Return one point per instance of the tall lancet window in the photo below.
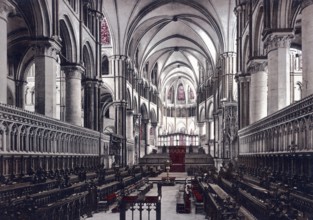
(181, 93)
(105, 33)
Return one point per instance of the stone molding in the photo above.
(118, 57)
(5, 8)
(306, 3)
(277, 40)
(12, 114)
(154, 124)
(255, 66)
(47, 48)
(228, 54)
(243, 77)
(73, 71)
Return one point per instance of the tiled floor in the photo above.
(168, 208)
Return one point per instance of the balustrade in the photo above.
(275, 133)
(31, 135)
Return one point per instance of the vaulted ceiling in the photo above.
(184, 37)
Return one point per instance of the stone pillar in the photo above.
(307, 47)
(156, 133)
(130, 124)
(20, 93)
(200, 125)
(148, 128)
(73, 74)
(244, 84)
(118, 69)
(258, 91)
(5, 9)
(89, 105)
(277, 46)
(45, 76)
(228, 70)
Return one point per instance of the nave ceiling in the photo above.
(183, 37)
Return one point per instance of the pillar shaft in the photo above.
(5, 9)
(228, 70)
(307, 47)
(148, 128)
(130, 124)
(73, 99)
(117, 68)
(278, 71)
(258, 92)
(244, 85)
(45, 75)
(89, 105)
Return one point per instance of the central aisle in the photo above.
(168, 210)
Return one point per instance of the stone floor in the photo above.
(168, 207)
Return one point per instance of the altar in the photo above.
(177, 157)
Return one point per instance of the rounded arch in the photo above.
(153, 116)
(135, 105)
(88, 60)
(128, 99)
(210, 110)
(104, 65)
(257, 44)
(25, 65)
(246, 53)
(69, 45)
(144, 111)
(181, 127)
(202, 114)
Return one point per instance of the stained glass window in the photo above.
(105, 33)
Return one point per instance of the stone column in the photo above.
(73, 74)
(130, 124)
(156, 133)
(200, 125)
(20, 93)
(277, 46)
(148, 128)
(89, 99)
(258, 91)
(307, 47)
(117, 68)
(228, 70)
(5, 9)
(244, 84)
(45, 76)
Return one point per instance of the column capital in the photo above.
(73, 70)
(5, 9)
(90, 82)
(20, 82)
(154, 124)
(200, 124)
(146, 121)
(306, 3)
(228, 54)
(137, 116)
(277, 40)
(47, 47)
(242, 77)
(118, 57)
(238, 9)
(130, 111)
(257, 65)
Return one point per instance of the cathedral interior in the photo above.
(156, 109)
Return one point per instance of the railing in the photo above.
(22, 130)
(24, 133)
(284, 131)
